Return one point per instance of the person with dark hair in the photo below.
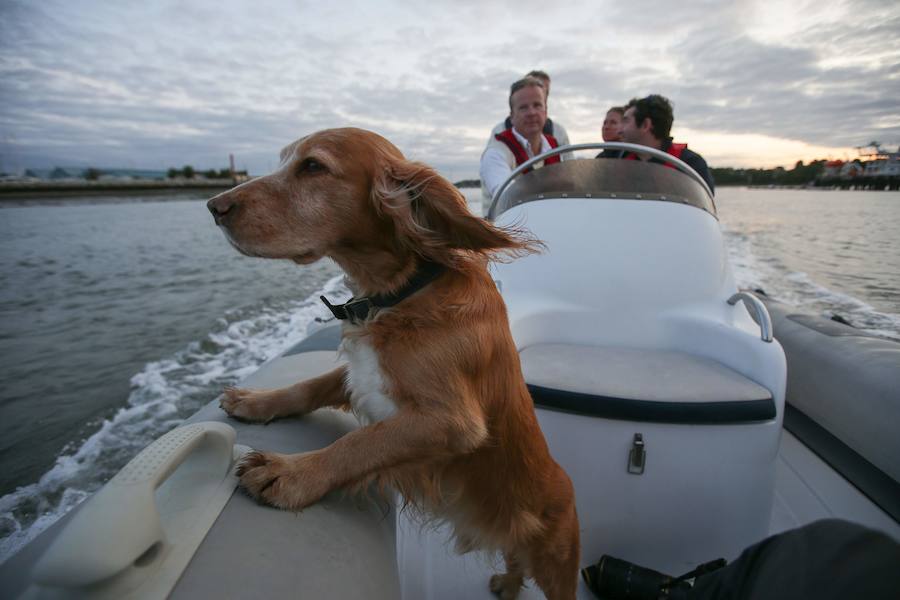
(551, 127)
(523, 140)
(612, 126)
(648, 121)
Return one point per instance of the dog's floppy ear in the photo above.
(431, 216)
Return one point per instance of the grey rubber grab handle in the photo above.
(121, 522)
(762, 313)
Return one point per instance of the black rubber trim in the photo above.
(327, 338)
(653, 411)
(874, 483)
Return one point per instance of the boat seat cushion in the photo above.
(641, 384)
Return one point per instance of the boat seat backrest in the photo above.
(627, 257)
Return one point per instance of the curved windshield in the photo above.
(606, 179)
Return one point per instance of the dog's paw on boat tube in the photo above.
(288, 481)
(251, 406)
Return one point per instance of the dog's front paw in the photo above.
(506, 586)
(286, 481)
(247, 405)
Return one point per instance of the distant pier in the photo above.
(865, 182)
(20, 190)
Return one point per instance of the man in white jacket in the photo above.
(524, 139)
(551, 127)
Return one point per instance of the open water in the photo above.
(119, 318)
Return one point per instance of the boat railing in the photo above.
(762, 314)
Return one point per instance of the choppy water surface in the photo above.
(120, 318)
(826, 252)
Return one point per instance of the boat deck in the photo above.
(807, 490)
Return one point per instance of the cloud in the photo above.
(160, 84)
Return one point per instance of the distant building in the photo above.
(60, 173)
(833, 169)
(883, 167)
(851, 169)
(880, 163)
(132, 174)
(883, 163)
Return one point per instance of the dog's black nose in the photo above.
(220, 207)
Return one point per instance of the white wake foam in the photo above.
(798, 289)
(162, 395)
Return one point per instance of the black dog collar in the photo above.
(360, 309)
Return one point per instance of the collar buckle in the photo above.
(359, 309)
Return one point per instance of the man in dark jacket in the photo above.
(648, 121)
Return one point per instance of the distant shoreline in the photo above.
(49, 190)
(21, 190)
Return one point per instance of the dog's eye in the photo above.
(311, 165)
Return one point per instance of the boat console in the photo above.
(656, 389)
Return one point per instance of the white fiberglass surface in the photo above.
(808, 489)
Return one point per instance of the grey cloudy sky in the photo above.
(159, 84)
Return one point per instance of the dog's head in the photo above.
(351, 195)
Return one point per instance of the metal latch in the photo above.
(637, 457)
